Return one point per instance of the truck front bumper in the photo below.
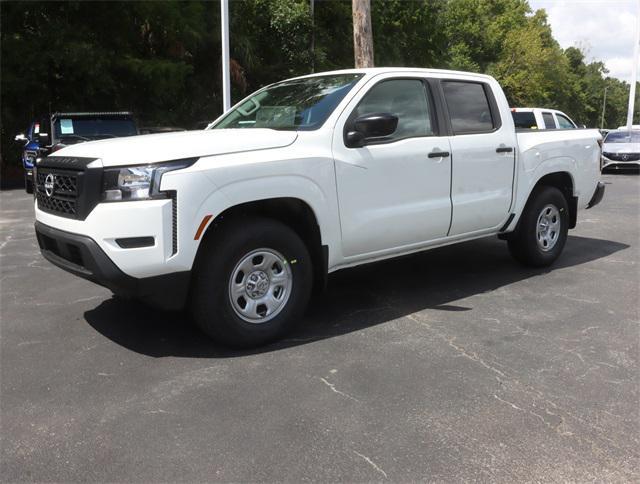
(83, 257)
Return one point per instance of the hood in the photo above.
(621, 148)
(153, 148)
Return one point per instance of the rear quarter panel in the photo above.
(575, 151)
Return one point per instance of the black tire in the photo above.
(524, 246)
(211, 304)
(28, 184)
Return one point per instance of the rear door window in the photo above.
(469, 107)
(549, 122)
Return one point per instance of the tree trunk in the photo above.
(362, 33)
(313, 35)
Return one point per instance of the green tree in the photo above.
(407, 33)
(532, 67)
(474, 31)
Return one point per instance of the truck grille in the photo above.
(623, 156)
(67, 186)
(57, 191)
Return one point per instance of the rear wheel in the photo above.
(543, 228)
(252, 283)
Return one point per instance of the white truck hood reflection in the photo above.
(153, 148)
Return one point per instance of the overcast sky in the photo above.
(603, 28)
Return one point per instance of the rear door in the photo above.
(483, 162)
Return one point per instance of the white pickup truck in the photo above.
(541, 118)
(239, 222)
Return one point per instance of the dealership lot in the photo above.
(452, 364)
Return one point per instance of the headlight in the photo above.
(138, 182)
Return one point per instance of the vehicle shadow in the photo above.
(356, 298)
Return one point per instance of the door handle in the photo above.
(504, 149)
(438, 154)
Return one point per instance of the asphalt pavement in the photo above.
(452, 365)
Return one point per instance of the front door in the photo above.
(394, 192)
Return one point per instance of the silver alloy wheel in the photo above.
(548, 228)
(260, 285)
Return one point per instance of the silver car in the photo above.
(621, 150)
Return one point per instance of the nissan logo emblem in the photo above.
(49, 184)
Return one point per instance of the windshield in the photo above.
(299, 104)
(93, 128)
(623, 137)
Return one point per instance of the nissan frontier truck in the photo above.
(239, 222)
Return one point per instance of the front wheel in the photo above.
(252, 282)
(543, 228)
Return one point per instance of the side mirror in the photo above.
(370, 126)
(21, 138)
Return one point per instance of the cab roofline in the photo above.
(384, 70)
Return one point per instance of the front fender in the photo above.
(254, 190)
(279, 186)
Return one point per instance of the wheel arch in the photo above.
(293, 212)
(562, 180)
